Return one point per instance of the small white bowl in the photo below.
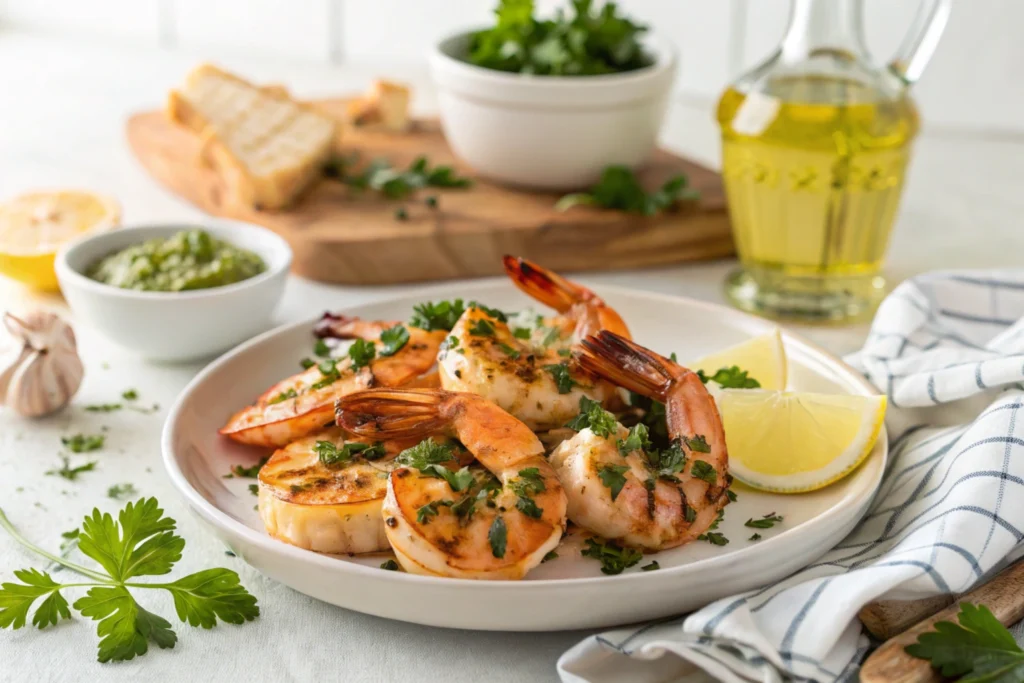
(175, 326)
(550, 132)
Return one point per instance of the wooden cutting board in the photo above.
(344, 236)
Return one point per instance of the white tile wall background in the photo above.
(972, 84)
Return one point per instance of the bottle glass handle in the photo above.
(921, 40)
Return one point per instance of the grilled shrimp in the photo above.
(617, 485)
(304, 403)
(325, 492)
(495, 521)
(535, 379)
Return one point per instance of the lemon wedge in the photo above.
(763, 357)
(35, 225)
(791, 442)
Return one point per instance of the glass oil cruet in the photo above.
(815, 144)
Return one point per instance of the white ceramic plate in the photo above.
(569, 592)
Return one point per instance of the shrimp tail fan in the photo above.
(627, 364)
(391, 413)
(547, 287)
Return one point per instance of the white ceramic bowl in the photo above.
(175, 326)
(550, 132)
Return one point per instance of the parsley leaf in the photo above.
(521, 333)
(497, 536)
(83, 443)
(704, 470)
(512, 353)
(320, 348)
(307, 363)
(592, 415)
(560, 373)
(425, 453)
(978, 648)
(121, 491)
(766, 522)
(427, 512)
(389, 565)
(71, 473)
(103, 407)
(129, 394)
(698, 444)
(637, 440)
(651, 567)
(552, 555)
(440, 316)
(500, 316)
(730, 378)
(714, 538)
(458, 481)
(329, 374)
(614, 558)
(614, 477)
(141, 542)
(755, 537)
(393, 339)
(329, 454)
(620, 189)
(482, 328)
(667, 462)
(361, 352)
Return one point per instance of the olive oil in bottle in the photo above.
(813, 189)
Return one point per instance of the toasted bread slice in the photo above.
(386, 105)
(266, 146)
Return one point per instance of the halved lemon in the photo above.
(763, 357)
(791, 442)
(35, 225)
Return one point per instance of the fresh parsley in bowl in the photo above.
(592, 41)
(550, 103)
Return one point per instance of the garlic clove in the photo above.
(40, 369)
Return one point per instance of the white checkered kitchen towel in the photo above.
(948, 349)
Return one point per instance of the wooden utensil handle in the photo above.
(1004, 595)
(887, 618)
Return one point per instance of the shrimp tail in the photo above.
(339, 326)
(627, 364)
(392, 413)
(547, 287)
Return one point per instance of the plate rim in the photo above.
(280, 549)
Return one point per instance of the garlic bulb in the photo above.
(39, 365)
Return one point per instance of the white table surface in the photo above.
(62, 109)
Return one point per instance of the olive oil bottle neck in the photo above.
(817, 27)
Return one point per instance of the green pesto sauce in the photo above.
(190, 259)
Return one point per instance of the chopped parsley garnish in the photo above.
(482, 328)
(654, 418)
(552, 555)
(320, 348)
(121, 491)
(530, 478)
(689, 514)
(440, 316)
(493, 312)
(521, 333)
(254, 489)
(103, 407)
(425, 453)
(755, 537)
(393, 339)
(766, 522)
(465, 507)
(614, 558)
(698, 444)
(564, 353)
(329, 374)
(401, 213)
(514, 354)
(307, 363)
(528, 483)
(730, 378)
(704, 470)
(361, 352)
(139, 542)
(330, 454)
(458, 481)
(497, 536)
(731, 495)
(450, 342)
(247, 472)
(283, 396)
(636, 441)
(651, 567)
(613, 477)
(560, 373)
(592, 415)
(427, 512)
(390, 565)
(667, 462)
(553, 334)
(83, 443)
(714, 538)
(529, 507)
(71, 473)
(129, 394)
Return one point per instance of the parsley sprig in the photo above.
(437, 316)
(613, 557)
(730, 378)
(592, 415)
(141, 542)
(619, 189)
(978, 648)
